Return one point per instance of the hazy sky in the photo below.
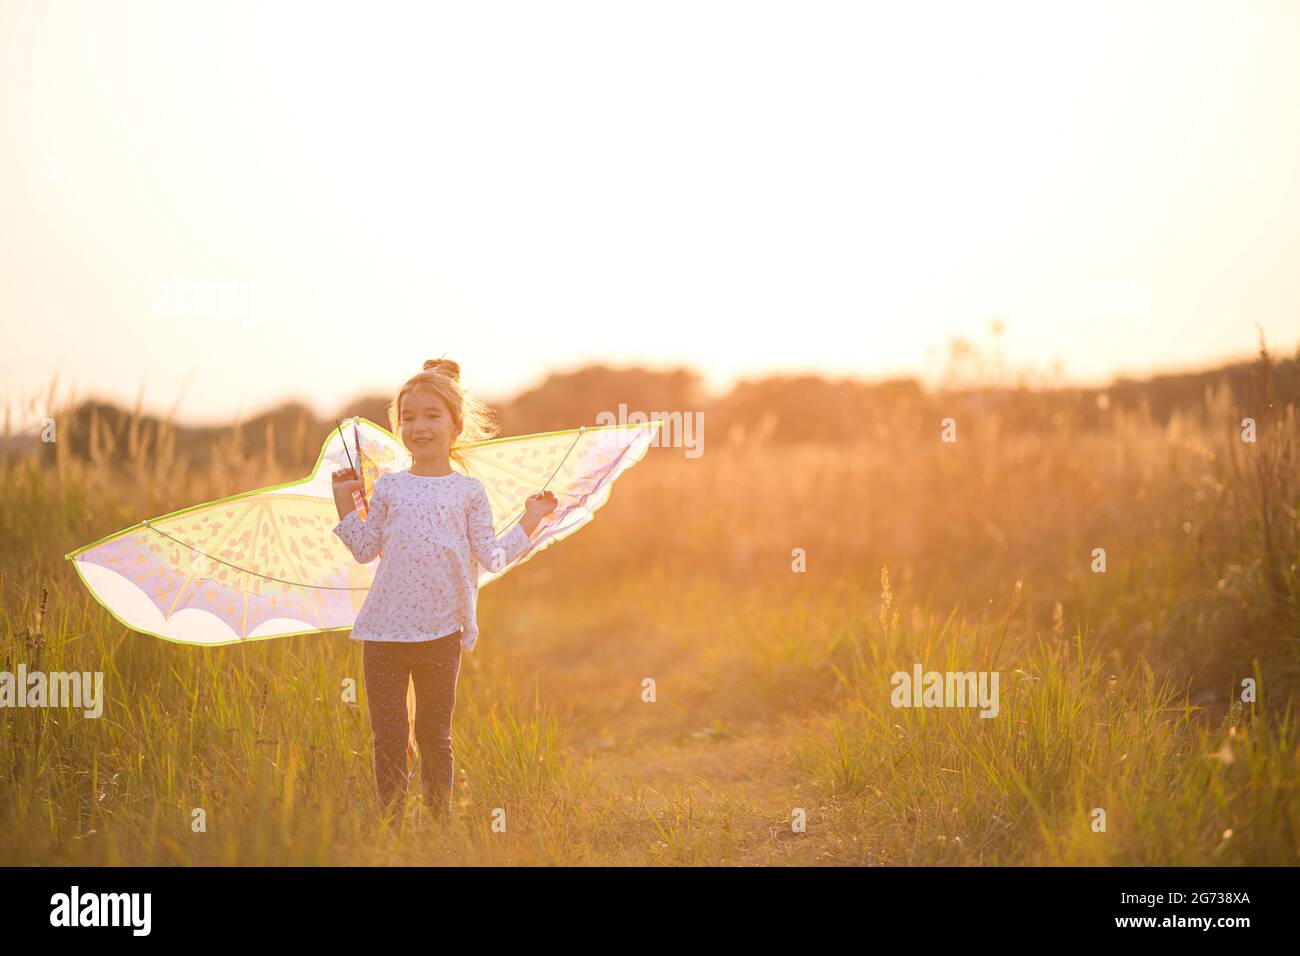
(259, 201)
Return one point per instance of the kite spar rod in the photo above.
(358, 502)
(581, 430)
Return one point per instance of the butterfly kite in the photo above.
(266, 564)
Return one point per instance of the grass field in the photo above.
(1120, 690)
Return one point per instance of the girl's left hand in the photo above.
(542, 503)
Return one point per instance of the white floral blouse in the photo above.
(432, 534)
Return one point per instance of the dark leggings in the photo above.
(433, 666)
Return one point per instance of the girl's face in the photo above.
(426, 427)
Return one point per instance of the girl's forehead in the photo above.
(418, 401)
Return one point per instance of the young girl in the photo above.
(433, 527)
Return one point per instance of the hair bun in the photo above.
(444, 365)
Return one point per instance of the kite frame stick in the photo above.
(581, 430)
(358, 500)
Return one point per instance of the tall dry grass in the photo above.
(1120, 690)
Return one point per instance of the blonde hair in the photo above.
(471, 420)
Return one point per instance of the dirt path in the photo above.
(696, 757)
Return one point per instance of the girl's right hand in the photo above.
(346, 482)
